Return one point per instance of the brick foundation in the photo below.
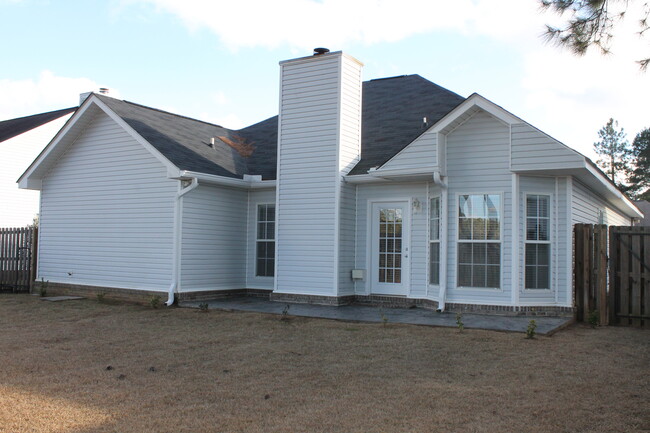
(144, 297)
(109, 293)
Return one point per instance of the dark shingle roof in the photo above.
(13, 127)
(393, 110)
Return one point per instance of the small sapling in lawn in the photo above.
(42, 291)
(155, 301)
(285, 313)
(459, 322)
(530, 331)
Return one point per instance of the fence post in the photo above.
(33, 257)
(600, 262)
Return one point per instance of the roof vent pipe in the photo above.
(319, 51)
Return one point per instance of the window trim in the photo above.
(266, 240)
(431, 241)
(549, 242)
(499, 241)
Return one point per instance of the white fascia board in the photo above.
(248, 183)
(627, 206)
(403, 173)
(362, 178)
(476, 100)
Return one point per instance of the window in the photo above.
(479, 240)
(265, 259)
(538, 242)
(434, 241)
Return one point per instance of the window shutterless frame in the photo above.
(265, 241)
(479, 224)
(537, 239)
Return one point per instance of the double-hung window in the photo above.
(538, 242)
(434, 241)
(265, 258)
(479, 241)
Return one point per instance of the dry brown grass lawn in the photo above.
(248, 372)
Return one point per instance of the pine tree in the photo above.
(639, 177)
(614, 153)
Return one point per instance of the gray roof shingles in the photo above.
(13, 127)
(392, 117)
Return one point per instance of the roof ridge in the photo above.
(164, 111)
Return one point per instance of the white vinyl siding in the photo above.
(587, 205)
(213, 246)
(478, 163)
(534, 150)
(418, 232)
(107, 213)
(420, 154)
(347, 239)
(318, 142)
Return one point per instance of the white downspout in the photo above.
(437, 179)
(176, 254)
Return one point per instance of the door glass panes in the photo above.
(390, 245)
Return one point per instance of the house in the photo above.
(21, 140)
(393, 190)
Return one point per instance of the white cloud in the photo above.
(305, 24)
(46, 93)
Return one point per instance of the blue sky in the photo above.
(218, 60)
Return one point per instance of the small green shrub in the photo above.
(530, 331)
(285, 313)
(384, 319)
(101, 297)
(155, 301)
(459, 322)
(203, 306)
(42, 291)
(593, 318)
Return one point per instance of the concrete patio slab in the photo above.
(362, 313)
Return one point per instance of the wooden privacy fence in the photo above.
(17, 258)
(629, 276)
(612, 274)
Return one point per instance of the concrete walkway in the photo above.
(361, 313)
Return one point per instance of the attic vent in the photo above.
(319, 51)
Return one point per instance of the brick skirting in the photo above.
(109, 293)
(144, 297)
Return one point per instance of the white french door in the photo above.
(389, 248)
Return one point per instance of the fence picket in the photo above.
(17, 247)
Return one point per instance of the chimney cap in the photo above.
(104, 90)
(319, 51)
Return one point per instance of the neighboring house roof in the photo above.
(644, 206)
(13, 127)
(392, 117)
